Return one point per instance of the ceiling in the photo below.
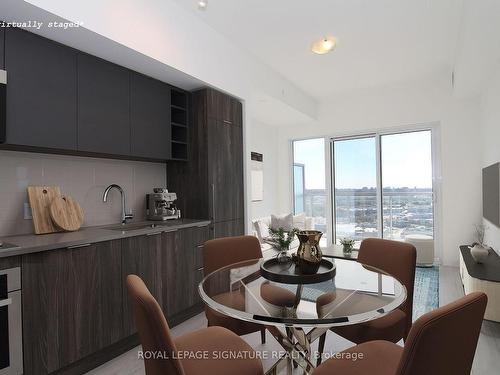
(380, 42)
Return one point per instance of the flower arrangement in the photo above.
(281, 238)
(347, 244)
(480, 230)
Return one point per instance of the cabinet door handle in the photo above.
(200, 269)
(213, 202)
(153, 234)
(170, 230)
(227, 122)
(79, 246)
(5, 302)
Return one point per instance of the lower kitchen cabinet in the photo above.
(229, 228)
(71, 304)
(141, 256)
(184, 268)
(75, 300)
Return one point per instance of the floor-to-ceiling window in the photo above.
(309, 181)
(382, 186)
(407, 196)
(355, 188)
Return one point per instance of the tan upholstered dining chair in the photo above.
(440, 342)
(399, 260)
(222, 252)
(162, 351)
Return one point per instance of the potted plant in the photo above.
(281, 239)
(347, 245)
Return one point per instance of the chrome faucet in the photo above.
(125, 216)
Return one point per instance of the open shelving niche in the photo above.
(179, 124)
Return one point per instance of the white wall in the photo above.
(422, 102)
(490, 112)
(82, 178)
(264, 139)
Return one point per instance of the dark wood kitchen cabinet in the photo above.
(225, 160)
(76, 309)
(149, 117)
(41, 91)
(223, 107)
(184, 268)
(61, 100)
(228, 228)
(141, 256)
(213, 177)
(71, 304)
(170, 263)
(103, 106)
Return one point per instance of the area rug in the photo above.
(426, 292)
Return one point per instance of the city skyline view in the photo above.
(405, 182)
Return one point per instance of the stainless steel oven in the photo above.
(3, 104)
(11, 330)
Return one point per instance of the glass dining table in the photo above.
(298, 314)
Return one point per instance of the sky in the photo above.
(406, 161)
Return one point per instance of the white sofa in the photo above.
(260, 229)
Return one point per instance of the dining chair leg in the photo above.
(263, 335)
(321, 348)
(289, 334)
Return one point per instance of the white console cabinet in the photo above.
(482, 277)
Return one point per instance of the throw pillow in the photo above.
(256, 228)
(299, 221)
(264, 229)
(282, 221)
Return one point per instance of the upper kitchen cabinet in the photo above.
(149, 117)
(223, 107)
(41, 91)
(61, 100)
(213, 176)
(103, 106)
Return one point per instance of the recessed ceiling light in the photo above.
(324, 45)
(202, 4)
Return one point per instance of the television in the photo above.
(491, 194)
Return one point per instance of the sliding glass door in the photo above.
(382, 186)
(355, 188)
(407, 197)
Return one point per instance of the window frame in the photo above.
(434, 127)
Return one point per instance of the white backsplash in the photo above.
(82, 178)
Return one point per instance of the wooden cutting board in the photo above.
(66, 213)
(41, 198)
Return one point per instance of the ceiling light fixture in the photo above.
(324, 45)
(202, 4)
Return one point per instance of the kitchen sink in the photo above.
(146, 225)
(134, 226)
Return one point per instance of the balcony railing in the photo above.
(404, 212)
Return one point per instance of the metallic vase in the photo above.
(309, 253)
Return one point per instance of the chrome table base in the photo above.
(297, 344)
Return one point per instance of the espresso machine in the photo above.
(160, 205)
